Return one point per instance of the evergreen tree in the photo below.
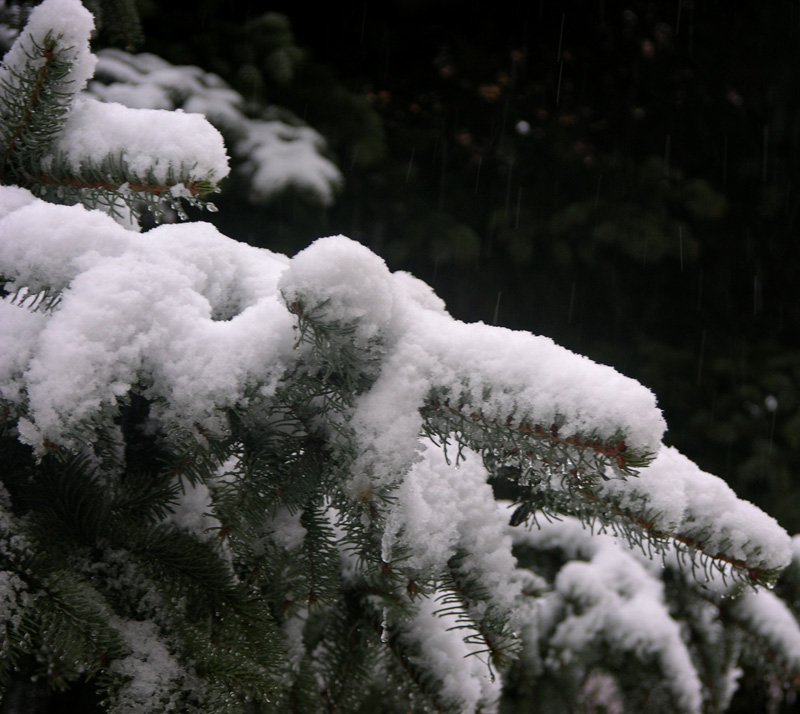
(238, 482)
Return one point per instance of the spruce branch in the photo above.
(406, 664)
(34, 102)
(66, 620)
(470, 425)
(348, 656)
(541, 449)
(110, 183)
(687, 537)
(561, 475)
(348, 367)
(321, 559)
(468, 598)
(641, 530)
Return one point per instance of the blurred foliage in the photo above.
(256, 52)
(117, 22)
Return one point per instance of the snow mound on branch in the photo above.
(682, 498)
(770, 619)
(344, 281)
(466, 680)
(185, 144)
(41, 247)
(190, 314)
(192, 509)
(501, 372)
(155, 680)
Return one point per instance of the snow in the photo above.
(534, 379)
(346, 282)
(466, 680)
(680, 496)
(767, 617)
(75, 25)
(155, 679)
(275, 152)
(41, 248)
(441, 510)
(286, 529)
(612, 597)
(100, 138)
(21, 330)
(185, 145)
(293, 628)
(14, 197)
(14, 599)
(192, 511)
(193, 314)
(609, 590)
(600, 692)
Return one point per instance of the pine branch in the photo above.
(493, 633)
(66, 620)
(111, 183)
(321, 560)
(522, 438)
(345, 367)
(641, 530)
(537, 455)
(44, 119)
(347, 657)
(408, 668)
(110, 178)
(34, 102)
